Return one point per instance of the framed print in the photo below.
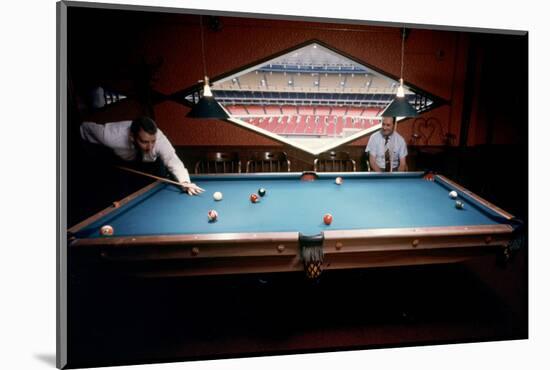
(238, 185)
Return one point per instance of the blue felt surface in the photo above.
(293, 205)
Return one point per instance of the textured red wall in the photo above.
(434, 61)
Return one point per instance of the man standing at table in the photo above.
(387, 149)
(140, 142)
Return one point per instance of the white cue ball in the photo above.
(218, 196)
(453, 194)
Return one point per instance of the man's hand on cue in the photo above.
(191, 188)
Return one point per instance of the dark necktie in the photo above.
(387, 159)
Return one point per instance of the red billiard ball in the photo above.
(106, 230)
(327, 219)
(212, 215)
(254, 198)
(429, 176)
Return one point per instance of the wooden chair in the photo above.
(334, 162)
(219, 162)
(367, 161)
(268, 162)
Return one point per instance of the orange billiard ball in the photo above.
(327, 219)
(254, 198)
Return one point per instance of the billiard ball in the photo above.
(212, 215)
(261, 192)
(339, 180)
(327, 219)
(453, 194)
(254, 198)
(106, 230)
(217, 196)
(459, 205)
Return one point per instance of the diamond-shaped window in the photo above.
(311, 97)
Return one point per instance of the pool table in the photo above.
(388, 219)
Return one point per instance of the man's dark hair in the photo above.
(143, 123)
(393, 119)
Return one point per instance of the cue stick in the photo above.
(391, 151)
(149, 175)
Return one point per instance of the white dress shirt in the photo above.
(377, 146)
(116, 135)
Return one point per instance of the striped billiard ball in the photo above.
(106, 230)
(212, 215)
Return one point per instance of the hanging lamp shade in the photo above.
(207, 106)
(400, 106)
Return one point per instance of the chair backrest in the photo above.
(366, 160)
(219, 162)
(268, 162)
(334, 162)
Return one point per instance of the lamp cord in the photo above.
(402, 51)
(202, 48)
